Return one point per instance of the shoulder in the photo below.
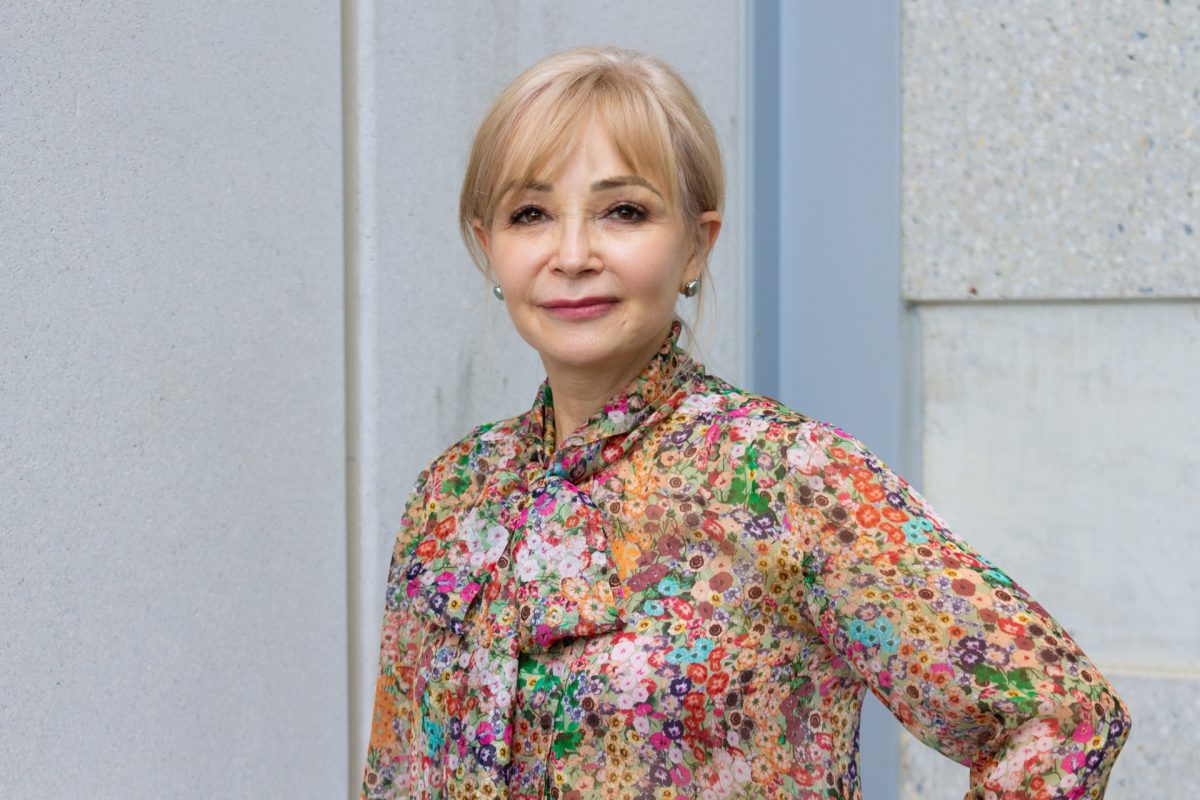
(468, 462)
(729, 412)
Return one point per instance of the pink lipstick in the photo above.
(582, 308)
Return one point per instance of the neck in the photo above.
(580, 392)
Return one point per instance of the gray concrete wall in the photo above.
(172, 536)
(438, 354)
(236, 321)
(1051, 162)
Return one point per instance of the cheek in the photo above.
(653, 269)
(514, 260)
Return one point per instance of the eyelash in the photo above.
(638, 210)
(517, 217)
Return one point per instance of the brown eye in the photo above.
(627, 212)
(527, 215)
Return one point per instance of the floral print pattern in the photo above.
(689, 599)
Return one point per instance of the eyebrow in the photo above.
(598, 186)
(624, 180)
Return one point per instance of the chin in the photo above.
(580, 357)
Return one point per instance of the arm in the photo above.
(386, 773)
(959, 652)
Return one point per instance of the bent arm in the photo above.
(957, 650)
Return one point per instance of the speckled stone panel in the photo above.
(1063, 441)
(1051, 149)
(1158, 761)
(172, 448)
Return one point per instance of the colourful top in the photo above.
(690, 599)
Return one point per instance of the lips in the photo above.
(581, 308)
(581, 302)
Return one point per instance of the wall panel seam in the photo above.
(358, 271)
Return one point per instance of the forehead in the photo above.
(593, 154)
(540, 147)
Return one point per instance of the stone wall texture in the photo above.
(236, 322)
(172, 461)
(1051, 168)
(1051, 149)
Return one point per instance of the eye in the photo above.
(527, 215)
(627, 212)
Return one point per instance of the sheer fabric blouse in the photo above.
(690, 599)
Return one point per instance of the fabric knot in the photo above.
(567, 583)
(544, 536)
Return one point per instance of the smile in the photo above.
(584, 308)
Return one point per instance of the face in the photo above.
(592, 259)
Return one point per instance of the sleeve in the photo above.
(386, 774)
(950, 643)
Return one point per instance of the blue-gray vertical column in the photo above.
(827, 319)
(762, 198)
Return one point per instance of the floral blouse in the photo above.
(689, 599)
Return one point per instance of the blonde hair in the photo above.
(655, 121)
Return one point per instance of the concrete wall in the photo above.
(172, 527)
(236, 323)
(1051, 162)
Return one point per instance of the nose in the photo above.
(574, 247)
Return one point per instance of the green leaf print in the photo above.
(743, 486)
(567, 740)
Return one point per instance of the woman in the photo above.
(656, 585)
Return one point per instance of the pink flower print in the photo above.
(1073, 762)
(544, 504)
(445, 582)
(680, 775)
(1083, 732)
(543, 635)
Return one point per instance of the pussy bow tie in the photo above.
(530, 564)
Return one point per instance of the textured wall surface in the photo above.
(1061, 440)
(172, 557)
(219, 384)
(1051, 149)
(1051, 152)
(428, 73)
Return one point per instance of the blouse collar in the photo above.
(658, 383)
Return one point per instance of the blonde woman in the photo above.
(654, 584)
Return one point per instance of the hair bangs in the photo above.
(546, 128)
(641, 133)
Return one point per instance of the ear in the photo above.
(708, 227)
(481, 236)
